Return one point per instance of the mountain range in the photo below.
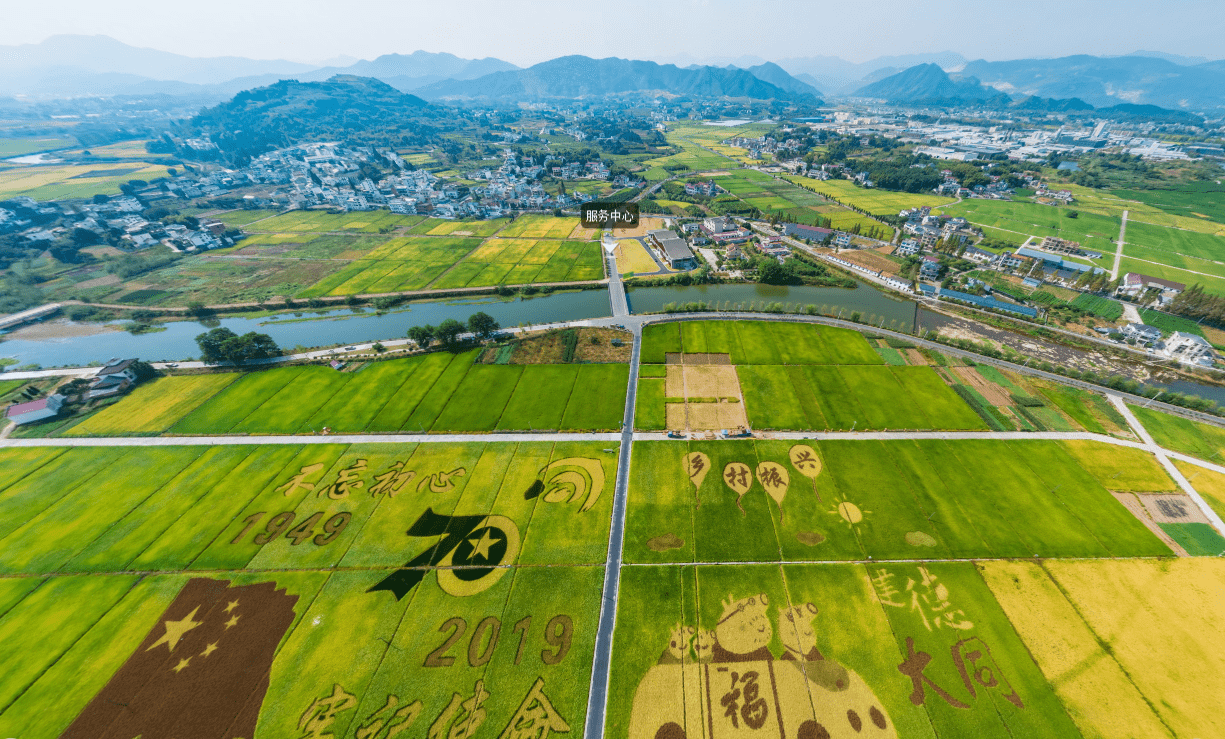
(68, 65)
(74, 66)
(580, 76)
(928, 84)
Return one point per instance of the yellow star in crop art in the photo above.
(176, 629)
(209, 649)
(480, 547)
(181, 665)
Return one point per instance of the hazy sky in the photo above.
(526, 33)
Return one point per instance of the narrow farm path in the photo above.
(1163, 456)
(1118, 253)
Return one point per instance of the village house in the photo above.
(1141, 333)
(1059, 246)
(1189, 349)
(115, 377)
(908, 248)
(35, 410)
(1134, 285)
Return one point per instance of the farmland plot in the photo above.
(273, 640)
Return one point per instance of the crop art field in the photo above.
(799, 588)
(919, 650)
(1019, 642)
(433, 392)
(770, 501)
(301, 591)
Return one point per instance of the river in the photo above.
(874, 305)
(325, 328)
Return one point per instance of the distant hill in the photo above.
(1109, 81)
(925, 83)
(837, 76)
(580, 76)
(65, 57)
(99, 65)
(407, 72)
(1052, 105)
(1186, 61)
(811, 81)
(345, 107)
(777, 76)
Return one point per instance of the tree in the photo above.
(84, 237)
(448, 332)
(223, 345)
(143, 370)
(770, 272)
(251, 346)
(482, 324)
(421, 335)
(211, 343)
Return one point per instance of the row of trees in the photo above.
(481, 325)
(1194, 303)
(223, 345)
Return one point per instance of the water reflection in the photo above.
(341, 326)
(875, 306)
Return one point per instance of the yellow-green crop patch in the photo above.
(64, 182)
(761, 501)
(437, 392)
(320, 221)
(540, 227)
(799, 376)
(303, 589)
(22, 147)
(154, 407)
(876, 202)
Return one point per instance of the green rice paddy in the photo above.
(434, 392)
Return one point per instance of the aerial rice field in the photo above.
(433, 392)
(58, 182)
(838, 586)
(215, 638)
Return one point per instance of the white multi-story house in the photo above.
(1189, 349)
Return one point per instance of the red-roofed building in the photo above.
(35, 410)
